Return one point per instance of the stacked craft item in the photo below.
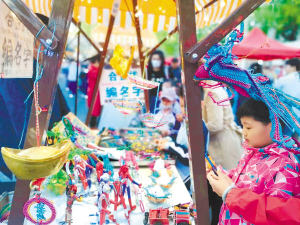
(122, 66)
(219, 66)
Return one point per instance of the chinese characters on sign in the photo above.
(113, 87)
(16, 46)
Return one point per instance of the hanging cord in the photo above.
(39, 75)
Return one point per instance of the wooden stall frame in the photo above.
(192, 93)
(60, 16)
(190, 53)
(101, 66)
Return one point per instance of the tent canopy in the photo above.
(154, 15)
(255, 46)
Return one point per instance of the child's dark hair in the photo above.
(254, 109)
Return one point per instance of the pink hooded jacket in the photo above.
(272, 169)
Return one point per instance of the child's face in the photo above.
(256, 133)
(167, 103)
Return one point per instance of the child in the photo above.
(266, 167)
(180, 150)
(168, 98)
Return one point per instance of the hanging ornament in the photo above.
(119, 63)
(127, 106)
(36, 162)
(142, 83)
(153, 120)
(43, 209)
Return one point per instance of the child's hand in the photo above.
(208, 166)
(219, 183)
(179, 117)
(165, 132)
(161, 144)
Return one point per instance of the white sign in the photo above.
(16, 46)
(113, 87)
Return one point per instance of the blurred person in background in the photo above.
(174, 71)
(72, 75)
(91, 79)
(168, 99)
(156, 72)
(290, 84)
(225, 136)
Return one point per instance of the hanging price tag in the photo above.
(116, 7)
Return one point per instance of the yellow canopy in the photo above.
(155, 15)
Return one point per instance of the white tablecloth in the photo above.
(82, 211)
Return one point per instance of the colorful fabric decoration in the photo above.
(153, 120)
(219, 66)
(127, 106)
(142, 83)
(119, 63)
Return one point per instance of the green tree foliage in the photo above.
(171, 46)
(283, 15)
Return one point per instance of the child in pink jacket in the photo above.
(266, 166)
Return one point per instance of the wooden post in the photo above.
(86, 36)
(187, 35)
(101, 65)
(235, 18)
(176, 29)
(140, 46)
(31, 21)
(61, 13)
(77, 72)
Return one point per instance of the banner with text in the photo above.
(16, 46)
(113, 87)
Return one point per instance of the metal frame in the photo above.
(61, 14)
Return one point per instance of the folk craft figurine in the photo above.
(104, 179)
(70, 131)
(125, 178)
(219, 66)
(71, 197)
(104, 203)
(79, 171)
(119, 199)
(107, 165)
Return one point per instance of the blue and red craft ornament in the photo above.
(43, 212)
(219, 66)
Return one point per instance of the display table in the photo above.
(84, 212)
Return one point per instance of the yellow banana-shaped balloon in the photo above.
(119, 63)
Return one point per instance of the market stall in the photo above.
(256, 45)
(73, 135)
